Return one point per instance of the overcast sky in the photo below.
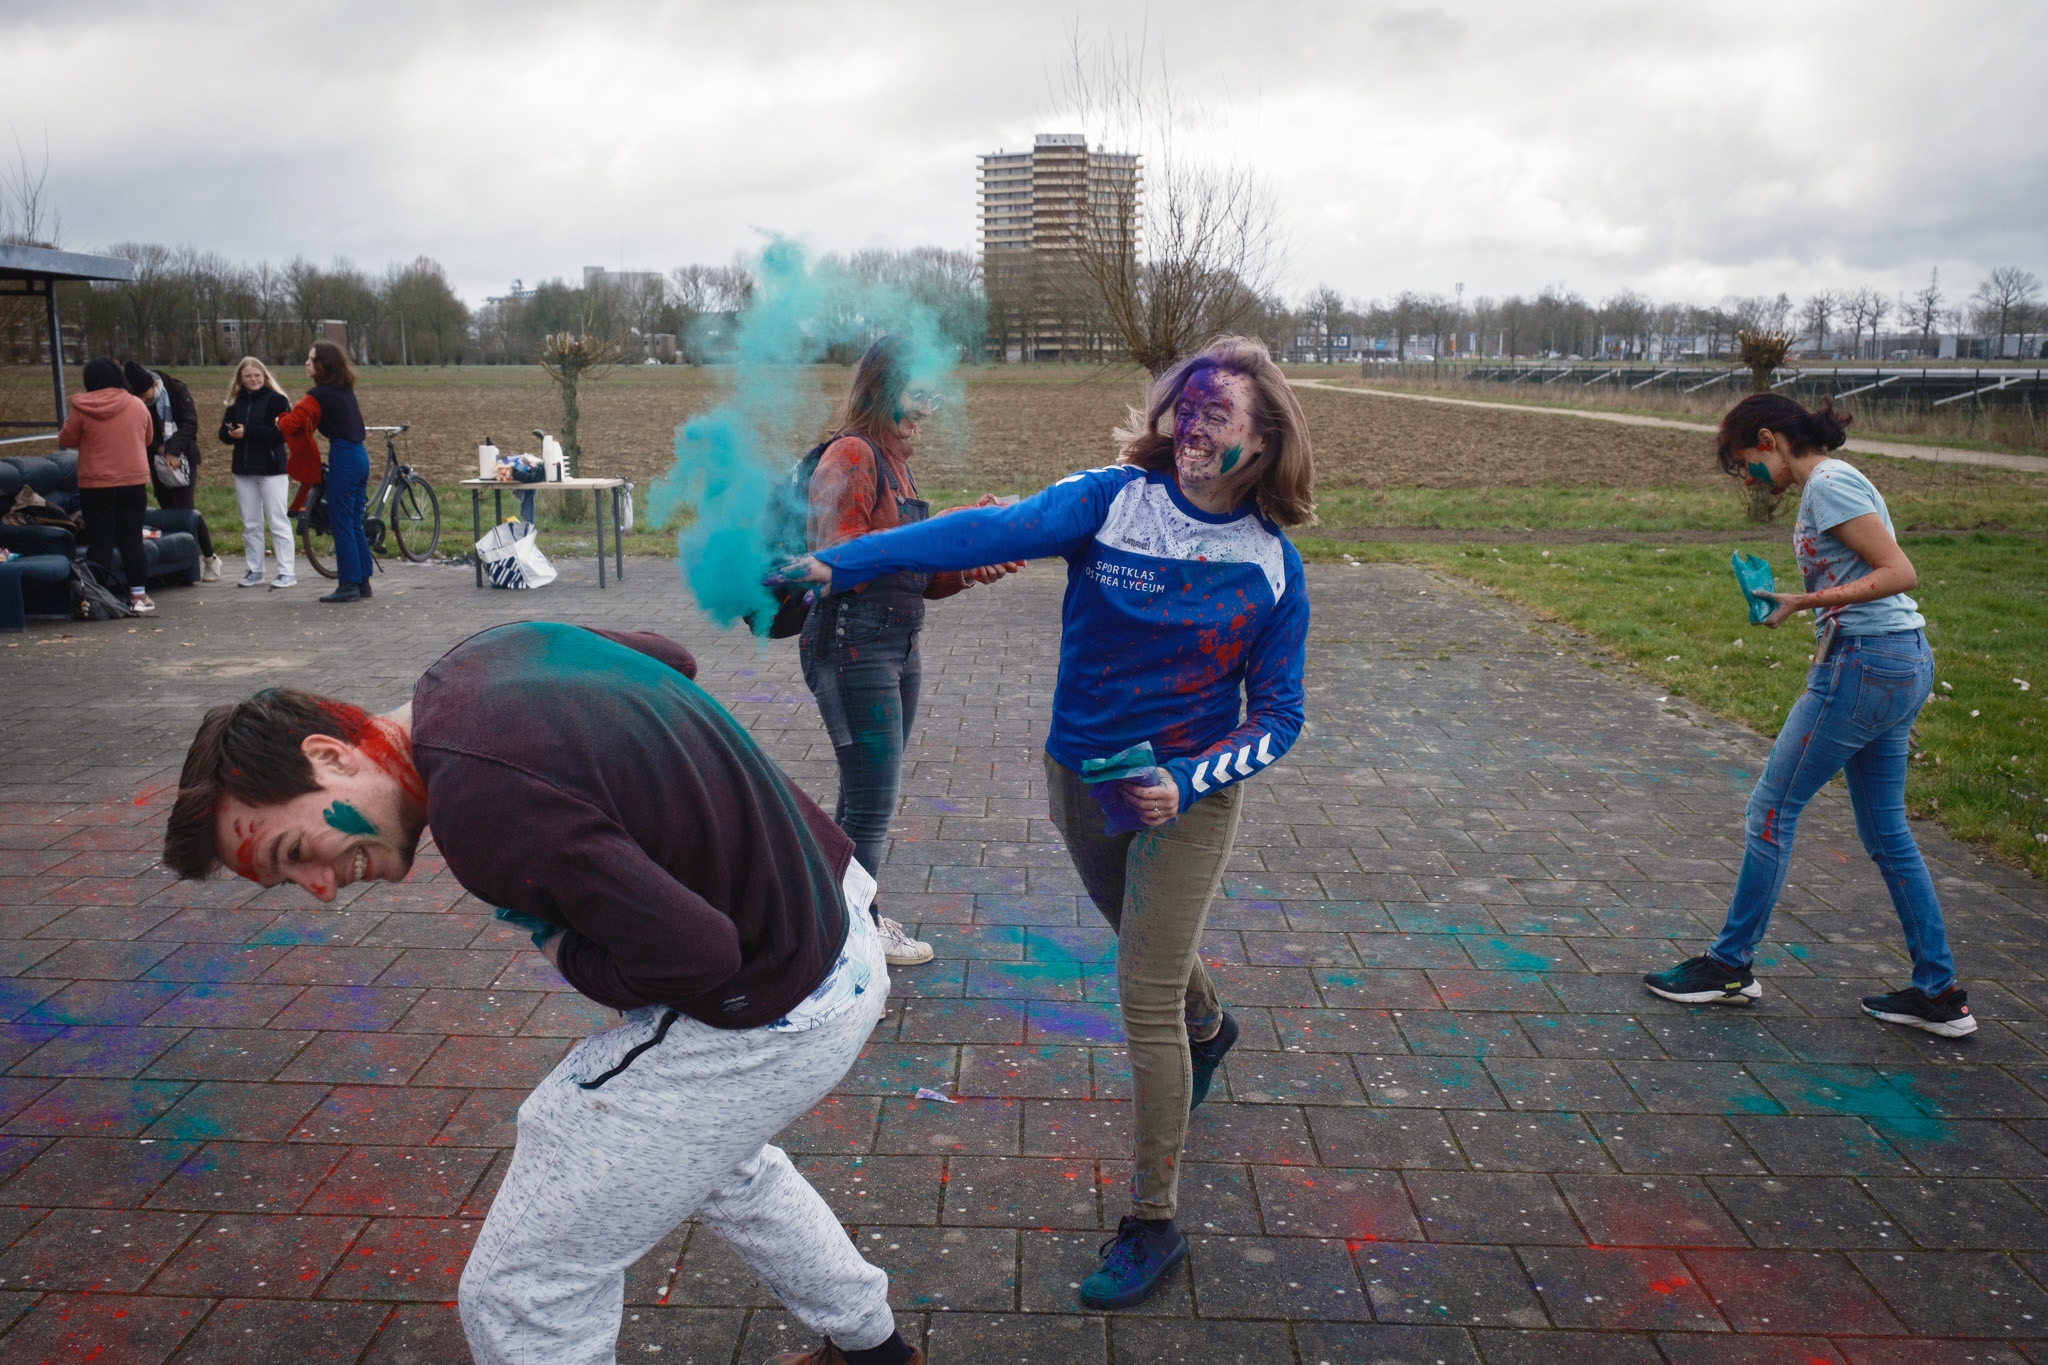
(1689, 151)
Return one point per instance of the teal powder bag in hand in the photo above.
(1753, 576)
(1107, 777)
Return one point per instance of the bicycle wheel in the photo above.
(316, 545)
(415, 518)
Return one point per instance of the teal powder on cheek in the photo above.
(346, 818)
(1231, 457)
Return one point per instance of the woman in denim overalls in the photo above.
(1870, 677)
(859, 649)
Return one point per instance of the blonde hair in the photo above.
(1282, 476)
(235, 381)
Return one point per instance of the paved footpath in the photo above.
(235, 1125)
(1858, 445)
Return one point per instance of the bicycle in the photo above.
(403, 507)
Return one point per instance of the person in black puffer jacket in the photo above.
(174, 420)
(254, 403)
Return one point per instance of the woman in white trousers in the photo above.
(254, 403)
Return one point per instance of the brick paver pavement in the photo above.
(241, 1126)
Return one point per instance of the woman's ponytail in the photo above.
(1806, 431)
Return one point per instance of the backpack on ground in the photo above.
(97, 594)
(789, 532)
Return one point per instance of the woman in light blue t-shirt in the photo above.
(1871, 676)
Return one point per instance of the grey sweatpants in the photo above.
(600, 1175)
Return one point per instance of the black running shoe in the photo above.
(1703, 981)
(1207, 1057)
(1947, 1014)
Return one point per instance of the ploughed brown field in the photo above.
(1013, 430)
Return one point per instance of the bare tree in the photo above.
(1876, 306)
(1320, 315)
(1763, 353)
(1923, 310)
(1514, 323)
(2003, 298)
(1408, 315)
(27, 217)
(570, 358)
(1815, 315)
(1627, 316)
(1192, 251)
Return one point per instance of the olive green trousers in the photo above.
(1154, 887)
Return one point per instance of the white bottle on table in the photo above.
(552, 461)
(487, 460)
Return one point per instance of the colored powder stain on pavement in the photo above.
(346, 818)
(1875, 1099)
(1519, 959)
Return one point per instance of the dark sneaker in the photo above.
(347, 592)
(1133, 1263)
(1206, 1057)
(1947, 1014)
(1702, 981)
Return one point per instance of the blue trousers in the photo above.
(860, 659)
(348, 488)
(1854, 718)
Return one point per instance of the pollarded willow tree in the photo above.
(570, 358)
(1763, 353)
(1180, 248)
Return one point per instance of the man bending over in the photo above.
(581, 780)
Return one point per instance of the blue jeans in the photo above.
(1854, 718)
(860, 659)
(348, 487)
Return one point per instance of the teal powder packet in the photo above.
(1120, 767)
(1753, 576)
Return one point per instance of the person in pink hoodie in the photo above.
(110, 429)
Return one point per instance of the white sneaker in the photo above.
(284, 581)
(141, 606)
(900, 949)
(209, 569)
(251, 579)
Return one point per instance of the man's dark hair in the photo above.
(249, 750)
(103, 374)
(140, 379)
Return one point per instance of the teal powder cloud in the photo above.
(732, 462)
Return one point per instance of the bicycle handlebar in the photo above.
(407, 426)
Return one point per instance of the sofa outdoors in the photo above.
(43, 587)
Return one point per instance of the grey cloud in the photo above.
(1695, 150)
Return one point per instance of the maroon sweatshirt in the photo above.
(581, 777)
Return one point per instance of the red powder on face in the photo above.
(245, 851)
(391, 755)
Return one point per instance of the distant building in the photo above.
(1039, 211)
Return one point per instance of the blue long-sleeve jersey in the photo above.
(1170, 611)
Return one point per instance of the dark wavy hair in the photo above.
(1774, 412)
(331, 367)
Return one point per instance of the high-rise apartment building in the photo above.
(1040, 210)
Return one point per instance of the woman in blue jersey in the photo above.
(1184, 626)
(1871, 675)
